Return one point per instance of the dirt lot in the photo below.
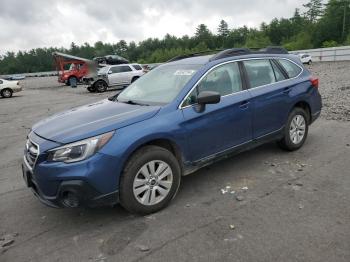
(294, 206)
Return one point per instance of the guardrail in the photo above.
(331, 54)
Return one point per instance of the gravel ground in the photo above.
(262, 205)
(335, 89)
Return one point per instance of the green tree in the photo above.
(223, 29)
(314, 10)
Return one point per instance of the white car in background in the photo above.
(114, 76)
(7, 88)
(305, 58)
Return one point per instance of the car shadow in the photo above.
(215, 175)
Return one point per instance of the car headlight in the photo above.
(80, 150)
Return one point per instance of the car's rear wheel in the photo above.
(296, 130)
(6, 93)
(100, 86)
(150, 180)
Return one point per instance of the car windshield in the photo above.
(159, 86)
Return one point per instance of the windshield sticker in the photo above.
(184, 72)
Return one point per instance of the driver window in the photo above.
(225, 80)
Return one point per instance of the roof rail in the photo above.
(234, 52)
(230, 52)
(179, 57)
(246, 51)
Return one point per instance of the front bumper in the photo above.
(91, 182)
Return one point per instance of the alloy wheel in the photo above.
(7, 93)
(153, 182)
(297, 129)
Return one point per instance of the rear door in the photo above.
(269, 90)
(120, 75)
(220, 126)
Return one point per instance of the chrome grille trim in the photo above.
(31, 153)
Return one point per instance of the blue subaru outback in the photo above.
(134, 147)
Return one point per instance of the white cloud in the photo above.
(26, 24)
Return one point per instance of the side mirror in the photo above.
(110, 72)
(206, 97)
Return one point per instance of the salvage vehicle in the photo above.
(111, 60)
(134, 147)
(71, 69)
(7, 88)
(113, 76)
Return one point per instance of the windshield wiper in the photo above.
(132, 102)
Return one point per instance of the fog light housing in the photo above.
(70, 199)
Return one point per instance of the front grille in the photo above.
(31, 153)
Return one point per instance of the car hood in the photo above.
(91, 120)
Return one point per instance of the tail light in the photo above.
(314, 82)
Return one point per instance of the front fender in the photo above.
(129, 138)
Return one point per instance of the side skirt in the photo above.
(191, 167)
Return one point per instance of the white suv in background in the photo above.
(114, 76)
(305, 58)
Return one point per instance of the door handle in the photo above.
(244, 104)
(287, 90)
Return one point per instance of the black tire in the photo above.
(286, 142)
(72, 81)
(6, 93)
(100, 86)
(134, 79)
(91, 89)
(135, 163)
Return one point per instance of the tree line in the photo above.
(319, 25)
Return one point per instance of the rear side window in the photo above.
(278, 73)
(259, 72)
(120, 69)
(125, 69)
(292, 69)
(137, 67)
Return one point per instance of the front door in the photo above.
(221, 126)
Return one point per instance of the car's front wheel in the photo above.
(296, 130)
(91, 89)
(6, 93)
(150, 180)
(100, 86)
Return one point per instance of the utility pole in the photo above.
(346, 3)
(344, 20)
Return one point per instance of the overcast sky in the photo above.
(26, 24)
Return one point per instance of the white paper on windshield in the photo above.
(184, 72)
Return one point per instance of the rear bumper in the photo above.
(17, 89)
(314, 116)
